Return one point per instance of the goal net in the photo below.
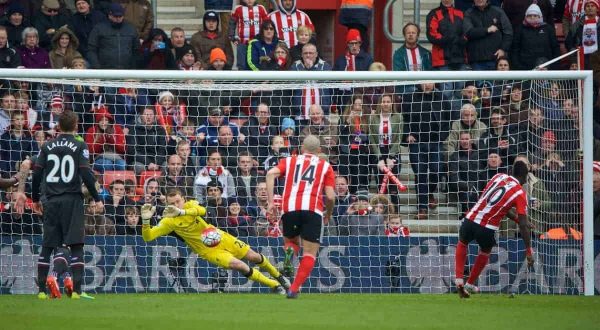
(440, 135)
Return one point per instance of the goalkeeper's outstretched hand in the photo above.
(147, 213)
(173, 211)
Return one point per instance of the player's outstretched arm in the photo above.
(150, 233)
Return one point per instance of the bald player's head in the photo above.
(311, 145)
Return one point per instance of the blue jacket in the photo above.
(257, 48)
(363, 61)
(13, 150)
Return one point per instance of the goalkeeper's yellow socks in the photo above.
(256, 276)
(266, 265)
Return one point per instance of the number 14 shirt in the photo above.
(305, 176)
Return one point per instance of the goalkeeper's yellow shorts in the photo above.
(230, 247)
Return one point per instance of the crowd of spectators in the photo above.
(216, 144)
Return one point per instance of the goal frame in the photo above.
(586, 147)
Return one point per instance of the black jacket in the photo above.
(426, 116)
(111, 47)
(9, 58)
(482, 45)
(147, 144)
(531, 43)
(82, 26)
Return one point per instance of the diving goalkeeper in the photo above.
(185, 219)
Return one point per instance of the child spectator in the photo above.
(186, 59)
(394, 227)
(290, 140)
(304, 35)
(170, 114)
(133, 225)
(218, 60)
(244, 25)
(238, 220)
(106, 142)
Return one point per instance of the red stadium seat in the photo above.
(145, 175)
(109, 176)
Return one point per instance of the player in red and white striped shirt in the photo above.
(497, 200)
(287, 20)
(306, 178)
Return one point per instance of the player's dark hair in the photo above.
(68, 121)
(174, 192)
(520, 171)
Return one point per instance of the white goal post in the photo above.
(290, 79)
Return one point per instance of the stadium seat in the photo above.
(109, 176)
(145, 175)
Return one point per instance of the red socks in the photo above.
(306, 265)
(460, 259)
(480, 263)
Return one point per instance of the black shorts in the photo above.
(485, 237)
(306, 224)
(63, 221)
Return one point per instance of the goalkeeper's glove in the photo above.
(173, 211)
(147, 213)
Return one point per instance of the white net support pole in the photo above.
(588, 208)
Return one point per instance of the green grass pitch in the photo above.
(310, 311)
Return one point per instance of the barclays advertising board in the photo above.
(345, 264)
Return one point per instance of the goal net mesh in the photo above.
(442, 140)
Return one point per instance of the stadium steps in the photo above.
(186, 14)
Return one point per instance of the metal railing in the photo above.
(386, 21)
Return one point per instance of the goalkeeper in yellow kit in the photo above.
(185, 219)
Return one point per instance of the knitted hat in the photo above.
(534, 9)
(362, 195)
(15, 7)
(214, 182)
(88, 1)
(549, 135)
(164, 94)
(353, 35)
(51, 4)
(184, 50)
(217, 54)
(102, 112)
(595, 2)
(288, 123)
(57, 101)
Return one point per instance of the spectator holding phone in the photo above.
(156, 52)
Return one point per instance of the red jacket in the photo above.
(115, 140)
(445, 32)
